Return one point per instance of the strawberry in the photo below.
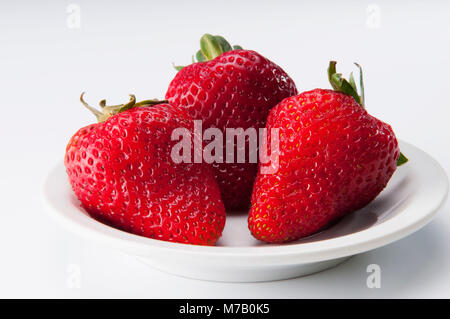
(121, 171)
(334, 158)
(230, 88)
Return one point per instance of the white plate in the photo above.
(413, 195)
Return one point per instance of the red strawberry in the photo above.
(334, 158)
(122, 173)
(230, 88)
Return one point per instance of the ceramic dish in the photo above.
(410, 200)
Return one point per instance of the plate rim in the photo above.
(346, 245)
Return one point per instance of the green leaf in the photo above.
(223, 43)
(334, 81)
(351, 79)
(150, 102)
(128, 105)
(200, 56)
(210, 47)
(343, 86)
(178, 67)
(401, 159)
(361, 84)
(340, 84)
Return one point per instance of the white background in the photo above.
(128, 47)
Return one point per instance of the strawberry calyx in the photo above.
(109, 110)
(340, 84)
(211, 46)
